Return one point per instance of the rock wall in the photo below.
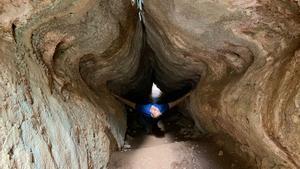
(55, 109)
(247, 54)
(57, 58)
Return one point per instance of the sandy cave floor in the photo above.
(181, 147)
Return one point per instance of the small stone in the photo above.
(127, 146)
(220, 153)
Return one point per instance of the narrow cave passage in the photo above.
(175, 58)
(62, 62)
(176, 142)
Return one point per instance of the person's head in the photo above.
(155, 112)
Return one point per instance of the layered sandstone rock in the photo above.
(58, 57)
(247, 55)
(50, 117)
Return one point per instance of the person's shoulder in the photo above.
(160, 104)
(164, 105)
(143, 104)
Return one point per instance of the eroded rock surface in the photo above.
(57, 58)
(247, 55)
(50, 117)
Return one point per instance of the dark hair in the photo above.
(154, 100)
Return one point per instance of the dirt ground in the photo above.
(181, 146)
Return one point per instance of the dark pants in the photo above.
(150, 123)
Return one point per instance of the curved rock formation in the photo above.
(58, 59)
(246, 54)
(54, 56)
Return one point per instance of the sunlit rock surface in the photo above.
(50, 117)
(248, 58)
(58, 57)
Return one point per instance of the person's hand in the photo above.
(155, 113)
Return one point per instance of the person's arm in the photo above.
(127, 102)
(174, 103)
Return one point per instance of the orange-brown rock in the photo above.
(60, 60)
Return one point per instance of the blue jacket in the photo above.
(145, 108)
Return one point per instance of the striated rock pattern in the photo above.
(247, 53)
(54, 55)
(58, 59)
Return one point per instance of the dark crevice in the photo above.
(13, 30)
(142, 91)
(150, 69)
(11, 152)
